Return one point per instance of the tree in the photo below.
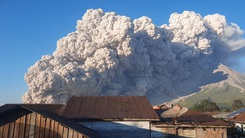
(237, 104)
(206, 106)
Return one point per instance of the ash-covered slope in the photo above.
(222, 86)
(229, 76)
(110, 54)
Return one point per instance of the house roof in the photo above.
(237, 112)
(197, 117)
(192, 117)
(110, 108)
(217, 114)
(7, 107)
(47, 112)
(55, 108)
(238, 118)
(98, 107)
(66, 122)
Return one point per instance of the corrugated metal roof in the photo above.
(192, 117)
(238, 118)
(110, 108)
(237, 112)
(197, 117)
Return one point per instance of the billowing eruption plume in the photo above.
(109, 54)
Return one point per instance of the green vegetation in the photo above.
(223, 96)
(237, 104)
(206, 106)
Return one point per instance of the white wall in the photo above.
(240, 127)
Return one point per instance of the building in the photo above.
(86, 116)
(104, 116)
(113, 116)
(37, 121)
(239, 123)
(191, 124)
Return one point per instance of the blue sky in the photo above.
(30, 29)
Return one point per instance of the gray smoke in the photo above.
(109, 54)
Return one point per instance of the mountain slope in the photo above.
(231, 86)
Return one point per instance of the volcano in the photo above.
(219, 84)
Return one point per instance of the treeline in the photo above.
(207, 105)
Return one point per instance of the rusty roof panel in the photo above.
(193, 117)
(199, 117)
(238, 118)
(99, 107)
(110, 108)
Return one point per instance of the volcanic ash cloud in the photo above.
(109, 54)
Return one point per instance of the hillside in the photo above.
(231, 86)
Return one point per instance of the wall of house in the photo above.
(120, 128)
(240, 127)
(159, 132)
(187, 132)
(190, 132)
(211, 132)
(22, 123)
(162, 132)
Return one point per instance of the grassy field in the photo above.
(223, 96)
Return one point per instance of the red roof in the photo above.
(192, 117)
(99, 107)
(239, 118)
(110, 108)
(197, 117)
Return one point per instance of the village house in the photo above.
(104, 116)
(113, 116)
(191, 124)
(39, 121)
(239, 123)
